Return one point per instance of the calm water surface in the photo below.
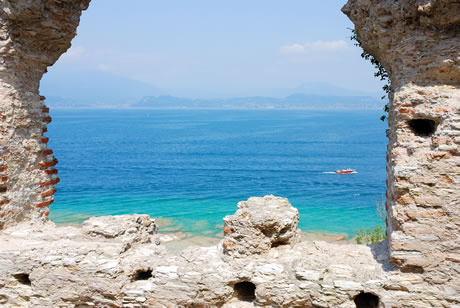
(193, 167)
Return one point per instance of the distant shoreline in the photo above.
(211, 109)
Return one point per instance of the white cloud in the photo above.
(312, 47)
(74, 52)
(292, 49)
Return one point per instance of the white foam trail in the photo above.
(332, 172)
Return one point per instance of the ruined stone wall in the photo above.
(260, 261)
(33, 35)
(418, 44)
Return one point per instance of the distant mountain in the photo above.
(93, 89)
(310, 88)
(99, 89)
(295, 101)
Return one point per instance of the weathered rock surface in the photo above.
(268, 222)
(416, 41)
(45, 266)
(129, 229)
(259, 260)
(33, 35)
(418, 44)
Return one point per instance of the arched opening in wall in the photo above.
(423, 127)
(366, 300)
(245, 291)
(142, 275)
(246, 128)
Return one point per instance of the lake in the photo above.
(193, 167)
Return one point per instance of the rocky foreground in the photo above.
(119, 261)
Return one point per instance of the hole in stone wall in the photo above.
(366, 300)
(422, 127)
(142, 275)
(412, 269)
(278, 243)
(245, 291)
(23, 278)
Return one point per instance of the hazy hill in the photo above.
(295, 101)
(98, 89)
(93, 89)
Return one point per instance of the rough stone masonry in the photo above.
(260, 261)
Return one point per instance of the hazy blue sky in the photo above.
(209, 44)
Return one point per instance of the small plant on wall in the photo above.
(380, 73)
(375, 234)
(370, 236)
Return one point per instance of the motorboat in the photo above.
(345, 171)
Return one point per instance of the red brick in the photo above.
(228, 245)
(42, 98)
(47, 119)
(45, 130)
(227, 230)
(46, 213)
(45, 139)
(4, 179)
(438, 155)
(48, 163)
(45, 203)
(4, 201)
(3, 168)
(52, 182)
(48, 152)
(407, 105)
(442, 110)
(407, 110)
(446, 180)
(405, 200)
(396, 261)
(51, 171)
(48, 193)
(3, 189)
(45, 109)
(425, 214)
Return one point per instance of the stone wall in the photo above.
(260, 261)
(33, 35)
(418, 44)
(118, 261)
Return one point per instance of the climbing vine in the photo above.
(380, 73)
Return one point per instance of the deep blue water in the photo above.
(194, 166)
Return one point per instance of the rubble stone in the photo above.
(260, 224)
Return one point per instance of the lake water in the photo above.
(193, 167)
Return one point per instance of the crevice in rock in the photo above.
(278, 243)
(366, 300)
(412, 269)
(23, 279)
(245, 291)
(422, 127)
(142, 275)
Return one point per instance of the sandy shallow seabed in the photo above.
(176, 241)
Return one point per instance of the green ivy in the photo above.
(380, 73)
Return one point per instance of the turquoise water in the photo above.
(192, 167)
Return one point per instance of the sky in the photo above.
(220, 46)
